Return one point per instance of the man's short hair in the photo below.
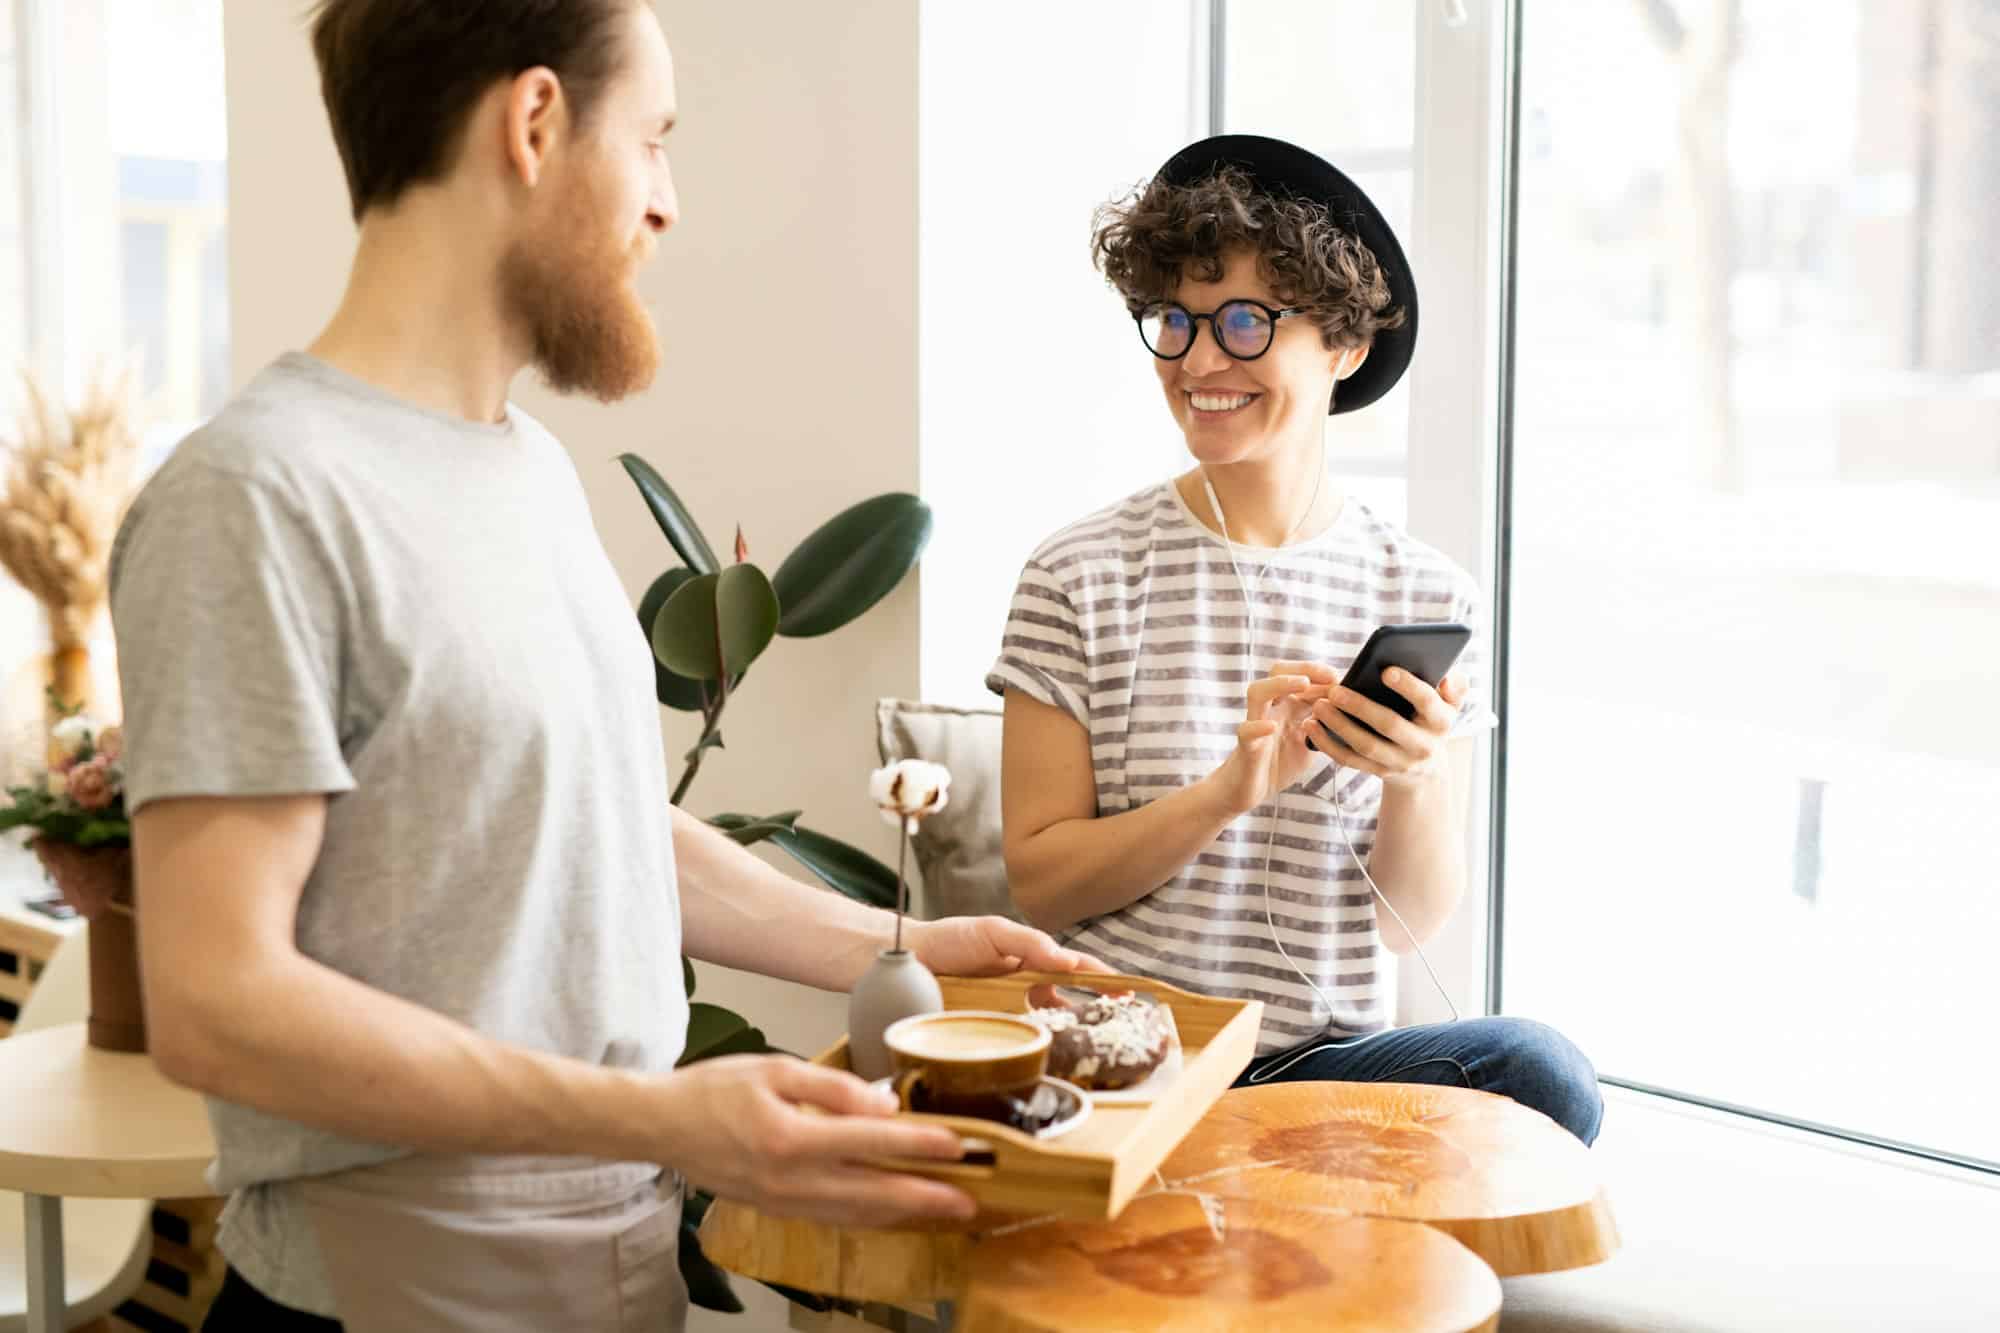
(400, 77)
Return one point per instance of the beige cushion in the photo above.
(958, 849)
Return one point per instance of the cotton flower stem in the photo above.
(902, 858)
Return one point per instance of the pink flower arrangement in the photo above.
(76, 812)
(92, 785)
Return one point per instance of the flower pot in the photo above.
(98, 883)
(895, 986)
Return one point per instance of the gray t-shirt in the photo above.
(327, 589)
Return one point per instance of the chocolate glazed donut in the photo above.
(1102, 1041)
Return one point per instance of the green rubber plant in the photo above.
(707, 623)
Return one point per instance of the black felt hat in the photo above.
(1282, 169)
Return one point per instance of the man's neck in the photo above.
(422, 318)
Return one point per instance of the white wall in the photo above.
(1038, 401)
(787, 302)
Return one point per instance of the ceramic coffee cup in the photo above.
(969, 1062)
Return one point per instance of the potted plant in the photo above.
(708, 623)
(81, 835)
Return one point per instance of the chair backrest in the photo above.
(63, 993)
(958, 849)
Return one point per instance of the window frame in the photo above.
(37, 25)
(1465, 209)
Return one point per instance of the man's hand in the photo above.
(991, 946)
(792, 1139)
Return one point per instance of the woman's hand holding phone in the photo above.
(1399, 749)
(1305, 706)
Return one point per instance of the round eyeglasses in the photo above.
(1242, 328)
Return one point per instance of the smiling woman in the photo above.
(1168, 658)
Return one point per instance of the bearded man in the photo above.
(414, 892)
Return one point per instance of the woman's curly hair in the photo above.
(1145, 242)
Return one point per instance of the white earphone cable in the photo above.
(1340, 813)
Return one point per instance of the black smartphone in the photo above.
(1425, 651)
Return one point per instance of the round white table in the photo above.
(77, 1122)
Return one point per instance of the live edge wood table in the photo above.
(78, 1122)
(1320, 1206)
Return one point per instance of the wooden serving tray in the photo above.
(1094, 1170)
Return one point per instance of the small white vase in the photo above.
(895, 986)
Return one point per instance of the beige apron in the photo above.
(501, 1245)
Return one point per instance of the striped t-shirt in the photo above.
(1132, 622)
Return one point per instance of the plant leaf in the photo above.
(747, 829)
(684, 637)
(672, 690)
(710, 1025)
(713, 619)
(750, 1041)
(853, 561)
(846, 870)
(707, 1285)
(726, 822)
(746, 612)
(715, 1031)
(750, 834)
(97, 832)
(672, 516)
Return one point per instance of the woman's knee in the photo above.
(1546, 1070)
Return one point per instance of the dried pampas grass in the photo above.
(67, 481)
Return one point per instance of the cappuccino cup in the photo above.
(969, 1062)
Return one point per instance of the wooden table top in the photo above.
(1508, 1183)
(78, 1122)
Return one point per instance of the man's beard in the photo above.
(587, 331)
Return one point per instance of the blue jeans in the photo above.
(1515, 1057)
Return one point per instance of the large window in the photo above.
(114, 206)
(13, 265)
(1752, 755)
(168, 140)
